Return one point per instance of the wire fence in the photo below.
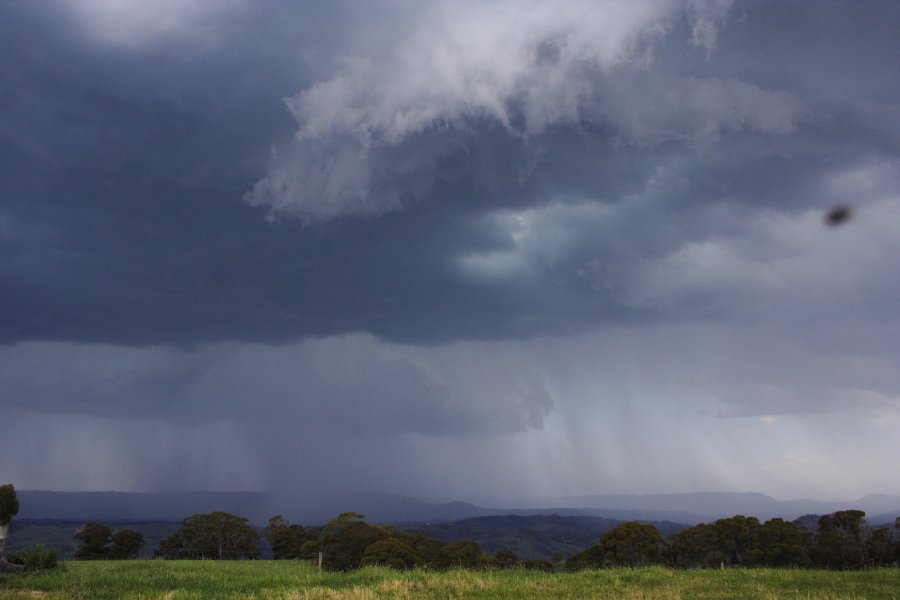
(351, 561)
(330, 561)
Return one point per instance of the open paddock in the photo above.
(290, 580)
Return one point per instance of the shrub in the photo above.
(538, 565)
(36, 558)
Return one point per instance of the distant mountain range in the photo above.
(689, 508)
(124, 506)
(537, 537)
(707, 506)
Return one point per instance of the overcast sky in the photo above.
(490, 251)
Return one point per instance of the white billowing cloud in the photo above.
(696, 112)
(708, 16)
(718, 260)
(874, 178)
(784, 266)
(131, 23)
(471, 60)
(538, 241)
(370, 137)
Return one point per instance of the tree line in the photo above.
(842, 540)
(96, 541)
(345, 542)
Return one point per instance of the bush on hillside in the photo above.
(36, 558)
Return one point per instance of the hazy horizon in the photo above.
(484, 501)
(259, 507)
(507, 249)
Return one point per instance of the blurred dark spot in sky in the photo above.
(837, 216)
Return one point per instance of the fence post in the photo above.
(320, 561)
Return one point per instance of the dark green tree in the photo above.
(344, 542)
(173, 546)
(839, 543)
(586, 559)
(391, 552)
(93, 541)
(342, 521)
(126, 544)
(897, 545)
(696, 546)
(506, 558)
(463, 553)
(427, 548)
(287, 540)
(782, 544)
(9, 507)
(9, 503)
(632, 544)
(879, 548)
(737, 539)
(217, 535)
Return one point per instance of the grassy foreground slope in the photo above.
(176, 580)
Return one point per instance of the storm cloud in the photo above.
(506, 242)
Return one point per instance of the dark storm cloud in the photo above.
(449, 247)
(433, 174)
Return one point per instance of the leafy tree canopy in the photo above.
(696, 546)
(839, 543)
(342, 521)
(217, 535)
(506, 557)
(344, 546)
(391, 552)
(126, 544)
(737, 538)
(631, 544)
(781, 544)
(93, 541)
(9, 503)
(287, 540)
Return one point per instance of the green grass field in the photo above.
(275, 580)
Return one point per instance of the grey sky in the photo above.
(484, 250)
